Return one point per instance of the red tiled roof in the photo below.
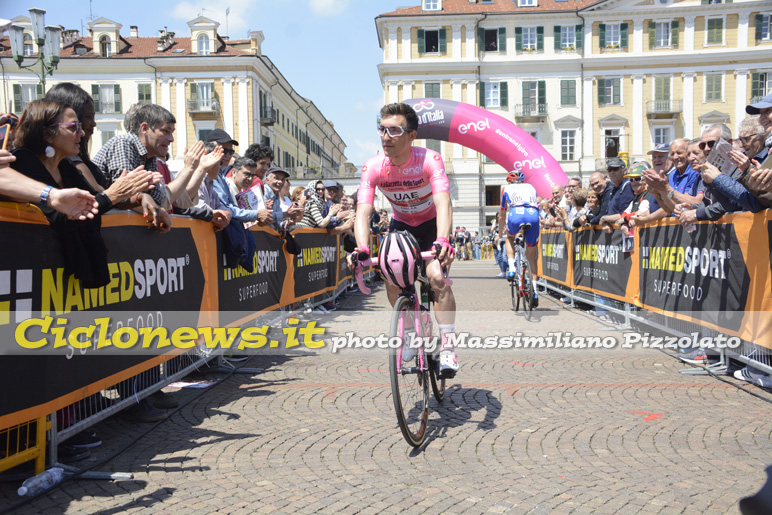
(137, 47)
(498, 6)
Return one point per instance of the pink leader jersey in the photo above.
(410, 188)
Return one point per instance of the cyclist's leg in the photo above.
(444, 301)
(531, 249)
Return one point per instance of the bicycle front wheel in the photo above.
(528, 291)
(409, 383)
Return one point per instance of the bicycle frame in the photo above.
(409, 292)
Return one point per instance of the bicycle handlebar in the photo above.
(361, 264)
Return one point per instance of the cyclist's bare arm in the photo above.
(362, 225)
(444, 221)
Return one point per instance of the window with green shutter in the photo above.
(144, 93)
(95, 96)
(432, 90)
(662, 89)
(609, 92)
(442, 35)
(540, 39)
(763, 27)
(519, 39)
(674, 33)
(503, 94)
(494, 40)
(714, 87)
(568, 92)
(429, 41)
(623, 37)
(715, 29)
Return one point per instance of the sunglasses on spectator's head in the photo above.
(708, 144)
(394, 131)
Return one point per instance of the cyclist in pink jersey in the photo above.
(414, 181)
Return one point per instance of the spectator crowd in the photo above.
(46, 160)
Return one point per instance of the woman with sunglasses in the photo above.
(47, 134)
(314, 207)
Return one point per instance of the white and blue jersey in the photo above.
(520, 200)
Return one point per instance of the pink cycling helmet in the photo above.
(399, 258)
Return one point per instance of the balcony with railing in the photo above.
(206, 106)
(268, 116)
(530, 110)
(666, 107)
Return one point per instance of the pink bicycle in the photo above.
(413, 344)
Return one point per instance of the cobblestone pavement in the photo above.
(520, 431)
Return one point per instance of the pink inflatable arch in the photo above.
(492, 135)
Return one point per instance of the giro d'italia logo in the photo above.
(423, 105)
(15, 295)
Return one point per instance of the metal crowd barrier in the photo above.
(628, 314)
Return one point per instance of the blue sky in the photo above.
(327, 49)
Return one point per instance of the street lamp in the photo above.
(47, 38)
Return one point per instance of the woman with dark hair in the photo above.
(71, 95)
(80, 101)
(48, 133)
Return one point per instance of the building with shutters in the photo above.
(588, 79)
(204, 79)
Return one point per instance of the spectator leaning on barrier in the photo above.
(74, 203)
(242, 175)
(48, 133)
(761, 174)
(262, 156)
(313, 215)
(621, 192)
(573, 185)
(151, 129)
(680, 185)
(641, 198)
(722, 193)
(579, 198)
(602, 188)
(751, 139)
(208, 199)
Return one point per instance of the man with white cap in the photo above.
(761, 178)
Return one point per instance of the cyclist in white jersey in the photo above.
(519, 199)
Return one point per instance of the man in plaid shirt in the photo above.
(149, 138)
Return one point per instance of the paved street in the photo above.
(520, 431)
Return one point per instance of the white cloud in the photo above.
(237, 22)
(328, 7)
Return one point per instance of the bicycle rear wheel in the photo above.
(513, 286)
(409, 383)
(528, 291)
